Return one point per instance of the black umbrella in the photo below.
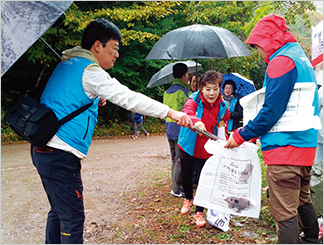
(198, 42)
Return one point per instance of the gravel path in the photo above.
(113, 168)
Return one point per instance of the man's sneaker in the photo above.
(147, 135)
(200, 222)
(179, 194)
(134, 137)
(187, 204)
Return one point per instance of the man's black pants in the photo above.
(60, 173)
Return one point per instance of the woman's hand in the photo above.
(201, 126)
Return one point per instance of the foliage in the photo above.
(114, 128)
(290, 10)
(7, 134)
(142, 23)
(118, 128)
(257, 73)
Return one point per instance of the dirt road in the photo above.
(113, 168)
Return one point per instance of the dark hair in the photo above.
(101, 30)
(231, 82)
(194, 75)
(179, 70)
(211, 76)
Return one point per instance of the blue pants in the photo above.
(60, 173)
(141, 125)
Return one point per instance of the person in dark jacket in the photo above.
(175, 97)
(233, 104)
(138, 119)
(288, 154)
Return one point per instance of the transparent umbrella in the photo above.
(164, 75)
(22, 23)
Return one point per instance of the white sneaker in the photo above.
(180, 194)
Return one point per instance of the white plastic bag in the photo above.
(230, 180)
(218, 219)
(221, 132)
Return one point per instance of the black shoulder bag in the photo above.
(35, 122)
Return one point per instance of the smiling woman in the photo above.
(206, 110)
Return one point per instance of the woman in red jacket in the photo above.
(206, 110)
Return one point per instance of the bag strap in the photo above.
(73, 114)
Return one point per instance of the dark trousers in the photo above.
(175, 166)
(60, 173)
(188, 165)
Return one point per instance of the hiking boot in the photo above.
(200, 222)
(179, 194)
(187, 204)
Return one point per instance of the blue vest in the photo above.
(306, 74)
(64, 94)
(187, 137)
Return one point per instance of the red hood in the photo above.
(271, 33)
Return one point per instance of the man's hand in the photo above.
(181, 118)
(102, 102)
(231, 143)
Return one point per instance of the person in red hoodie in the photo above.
(289, 155)
(206, 110)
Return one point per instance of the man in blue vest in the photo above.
(175, 97)
(79, 79)
(289, 155)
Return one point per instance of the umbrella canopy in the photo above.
(22, 23)
(198, 42)
(244, 86)
(164, 75)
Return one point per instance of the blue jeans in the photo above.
(142, 127)
(60, 173)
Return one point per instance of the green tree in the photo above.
(142, 24)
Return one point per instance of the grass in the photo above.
(113, 129)
(156, 219)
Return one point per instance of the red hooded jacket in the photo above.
(271, 34)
